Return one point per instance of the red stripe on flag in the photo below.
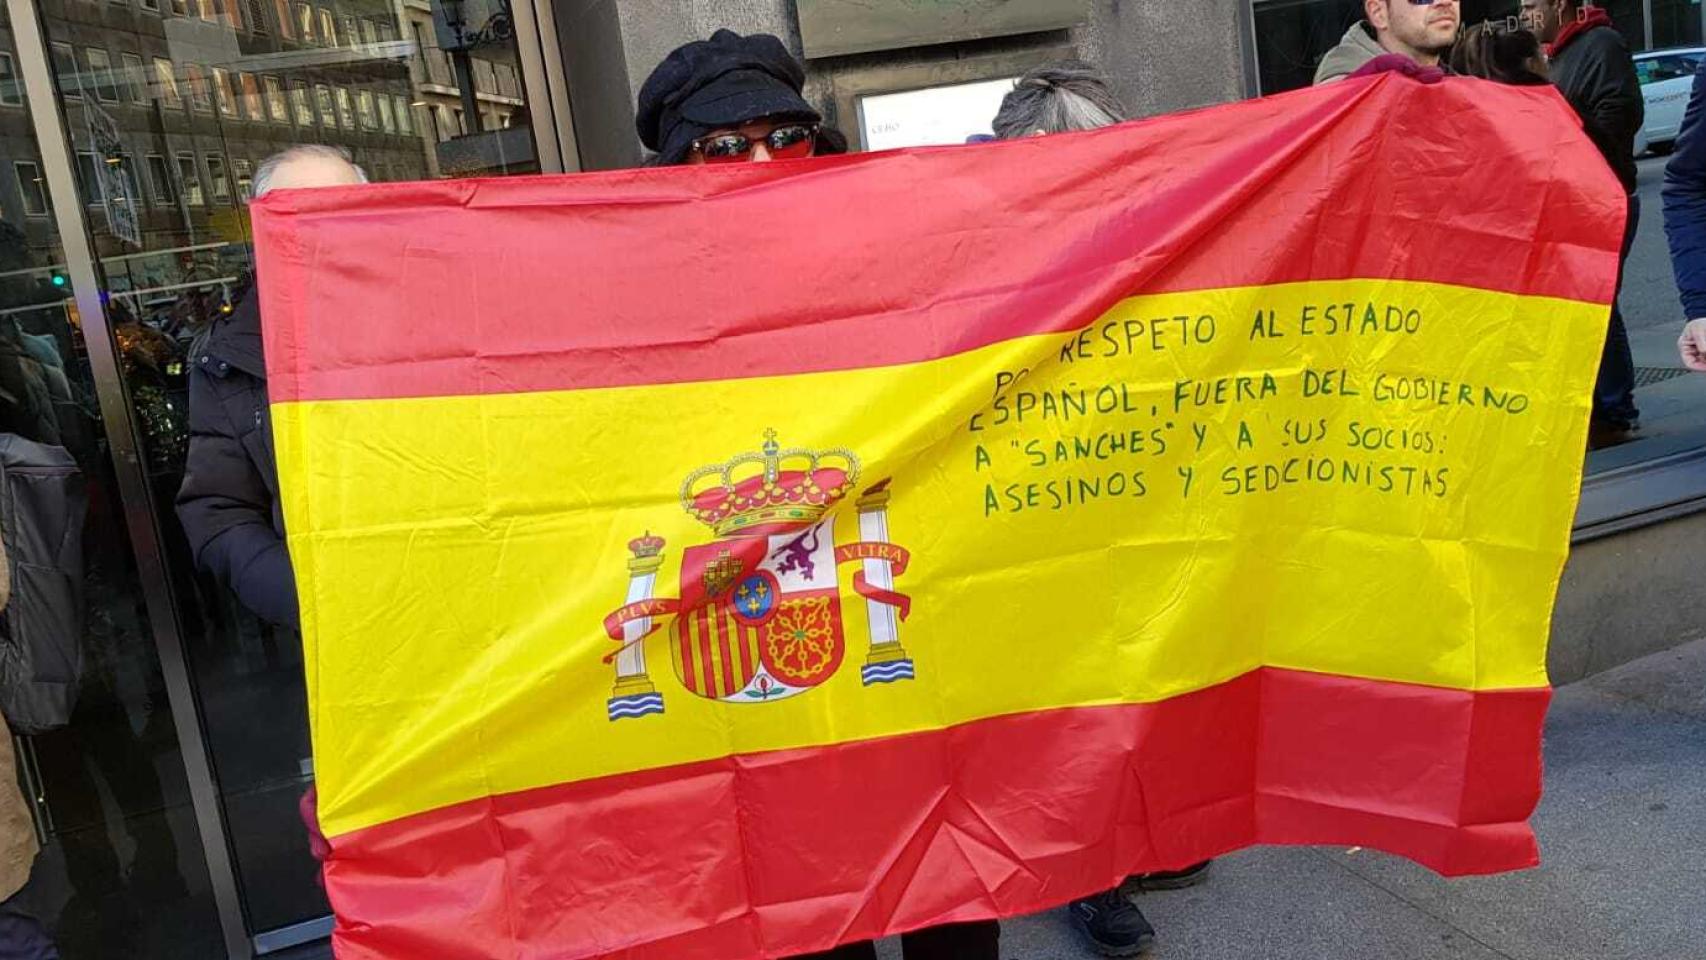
(631, 277)
(785, 853)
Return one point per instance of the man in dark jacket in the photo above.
(1593, 68)
(1685, 222)
(229, 502)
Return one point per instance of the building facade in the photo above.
(131, 131)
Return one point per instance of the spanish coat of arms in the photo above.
(759, 613)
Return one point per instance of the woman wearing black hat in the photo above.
(730, 99)
(733, 99)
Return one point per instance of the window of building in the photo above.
(257, 17)
(364, 110)
(304, 22)
(189, 181)
(485, 80)
(277, 107)
(152, 6)
(201, 98)
(350, 32)
(328, 28)
(369, 32)
(421, 48)
(31, 188)
(88, 181)
(217, 177)
(252, 104)
(208, 10)
(301, 104)
(222, 92)
(166, 83)
(181, 7)
(405, 123)
(286, 22)
(135, 78)
(387, 122)
(127, 165)
(346, 112)
(101, 74)
(328, 113)
(11, 94)
(245, 173)
(446, 124)
(65, 71)
(159, 180)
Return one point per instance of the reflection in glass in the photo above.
(121, 872)
(222, 92)
(216, 96)
(277, 109)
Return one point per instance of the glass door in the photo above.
(171, 107)
(122, 871)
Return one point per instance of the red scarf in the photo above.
(1590, 17)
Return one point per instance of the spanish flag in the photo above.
(737, 561)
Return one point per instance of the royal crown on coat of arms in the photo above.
(759, 615)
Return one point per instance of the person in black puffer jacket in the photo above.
(1593, 68)
(229, 502)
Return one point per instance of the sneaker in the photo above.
(1169, 879)
(1114, 927)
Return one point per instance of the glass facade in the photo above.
(168, 108)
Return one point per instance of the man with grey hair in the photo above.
(307, 165)
(229, 499)
(1057, 98)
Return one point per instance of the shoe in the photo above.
(1611, 433)
(1112, 924)
(1169, 879)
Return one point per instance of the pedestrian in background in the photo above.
(1592, 66)
(1685, 223)
(1418, 30)
(22, 936)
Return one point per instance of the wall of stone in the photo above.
(1160, 56)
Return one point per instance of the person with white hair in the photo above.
(1061, 98)
(1057, 98)
(229, 499)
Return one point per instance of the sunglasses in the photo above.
(788, 142)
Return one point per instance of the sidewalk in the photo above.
(1623, 848)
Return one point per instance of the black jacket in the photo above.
(1685, 202)
(1596, 73)
(229, 501)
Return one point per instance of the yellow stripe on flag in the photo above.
(509, 518)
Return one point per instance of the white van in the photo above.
(1667, 79)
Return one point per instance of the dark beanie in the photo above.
(726, 81)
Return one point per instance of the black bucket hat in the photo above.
(726, 81)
